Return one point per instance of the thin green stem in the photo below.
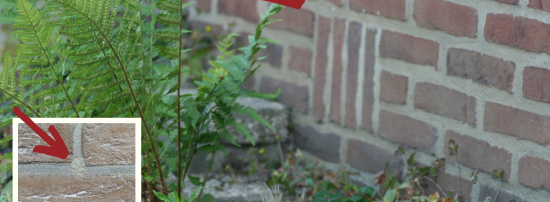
(178, 100)
(18, 100)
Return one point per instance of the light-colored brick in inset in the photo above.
(39, 188)
(109, 144)
(28, 139)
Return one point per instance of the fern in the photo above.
(81, 58)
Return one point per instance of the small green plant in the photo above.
(124, 58)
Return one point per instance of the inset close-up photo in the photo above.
(100, 165)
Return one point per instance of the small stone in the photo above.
(276, 114)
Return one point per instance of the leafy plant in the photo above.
(122, 58)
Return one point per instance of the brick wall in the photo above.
(365, 76)
(100, 165)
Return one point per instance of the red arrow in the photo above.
(57, 147)
(297, 4)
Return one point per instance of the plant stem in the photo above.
(438, 187)
(18, 100)
(459, 174)
(209, 166)
(178, 102)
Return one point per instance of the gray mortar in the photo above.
(45, 168)
(110, 170)
(77, 141)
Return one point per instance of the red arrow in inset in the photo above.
(297, 4)
(57, 147)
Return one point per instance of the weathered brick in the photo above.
(473, 153)
(36, 187)
(317, 143)
(108, 144)
(28, 139)
(395, 9)
(368, 81)
(393, 87)
(337, 2)
(487, 191)
(370, 158)
(274, 53)
(516, 122)
(454, 19)
(338, 36)
(204, 5)
(536, 84)
(300, 21)
(449, 103)
(534, 172)
(300, 60)
(352, 77)
(293, 96)
(200, 25)
(403, 129)
(245, 9)
(321, 61)
(542, 5)
(451, 183)
(519, 32)
(480, 68)
(409, 48)
(249, 83)
(515, 2)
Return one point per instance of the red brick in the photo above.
(519, 32)
(201, 26)
(300, 60)
(293, 96)
(296, 20)
(338, 36)
(368, 81)
(321, 61)
(536, 84)
(395, 9)
(449, 103)
(450, 183)
(405, 130)
(534, 172)
(480, 68)
(274, 53)
(249, 83)
(455, 19)
(516, 122)
(352, 77)
(515, 2)
(309, 139)
(542, 5)
(409, 48)
(393, 88)
(204, 5)
(337, 2)
(473, 153)
(370, 158)
(245, 9)
(502, 196)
